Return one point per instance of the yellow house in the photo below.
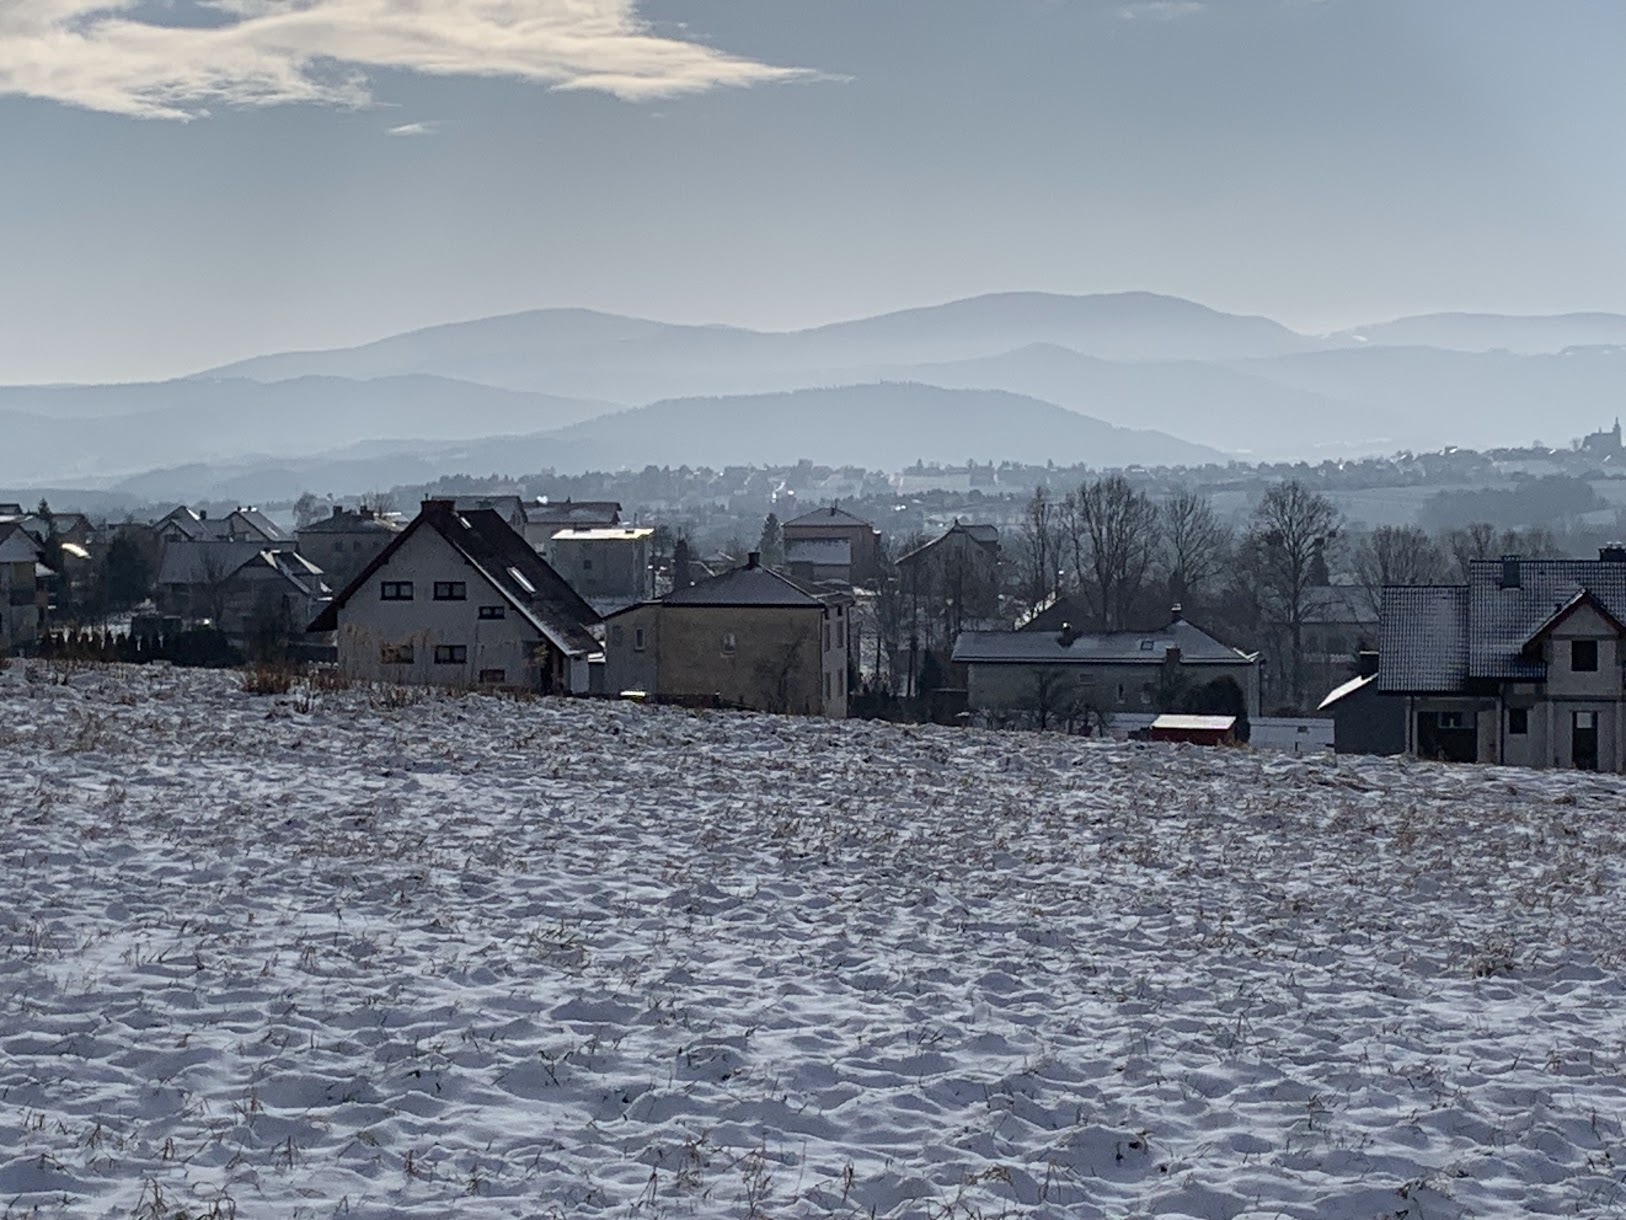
(748, 638)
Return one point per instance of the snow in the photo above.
(378, 953)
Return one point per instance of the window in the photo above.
(587, 565)
(395, 654)
(826, 685)
(615, 635)
(490, 612)
(1448, 720)
(827, 637)
(728, 641)
(1146, 696)
(638, 639)
(1518, 721)
(1584, 656)
(395, 591)
(451, 654)
(493, 677)
(1146, 645)
(451, 591)
(841, 635)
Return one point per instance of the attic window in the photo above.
(520, 580)
(1584, 656)
(1147, 645)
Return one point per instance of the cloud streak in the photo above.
(1160, 10)
(106, 55)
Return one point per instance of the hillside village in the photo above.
(1114, 608)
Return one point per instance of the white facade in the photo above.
(395, 628)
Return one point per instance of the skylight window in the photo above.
(520, 580)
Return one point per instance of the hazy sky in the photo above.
(183, 184)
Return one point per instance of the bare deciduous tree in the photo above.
(1113, 534)
(1471, 542)
(1039, 551)
(1397, 555)
(1287, 545)
(1196, 545)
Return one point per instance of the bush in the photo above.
(268, 680)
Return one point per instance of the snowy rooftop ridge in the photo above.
(482, 958)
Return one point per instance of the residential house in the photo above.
(609, 565)
(267, 601)
(544, 518)
(820, 560)
(460, 599)
(832, 544)
(345, 541)
(243, 524)
(1062, 674)
(23, 596)
(951, 584)
(1522, 665)
(194, 575)
(748, 638)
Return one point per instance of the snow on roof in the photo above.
(605, 533)
(1194, 724)
(1340, 693)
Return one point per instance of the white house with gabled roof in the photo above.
(460, 599)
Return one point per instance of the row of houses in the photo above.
(460, 598)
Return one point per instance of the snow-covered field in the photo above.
(476, 957)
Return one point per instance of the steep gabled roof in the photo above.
(1502, 618)
(1532, 646)
(1423, 639)
(747, 586)
(831, 515)
(986, 536)
(489, 544)
(292, 567)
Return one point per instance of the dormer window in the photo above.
(1584, 656)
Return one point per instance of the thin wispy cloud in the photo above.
(1160, 10)
(111, 55)
(415, 129)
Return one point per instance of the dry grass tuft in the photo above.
(268, 679)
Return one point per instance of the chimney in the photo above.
(1366, 663)
(1612, 552)
(1066, 636)
(203, 514)
(1510, 572)
(338, 511)
(754, 560)
(1174, 613)
(1171, 656)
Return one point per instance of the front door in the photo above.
(1584, 741)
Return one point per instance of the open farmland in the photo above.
(375, 956)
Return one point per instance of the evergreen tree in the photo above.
(772, 544)
(127, 574)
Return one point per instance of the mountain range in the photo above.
(1107, 380)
